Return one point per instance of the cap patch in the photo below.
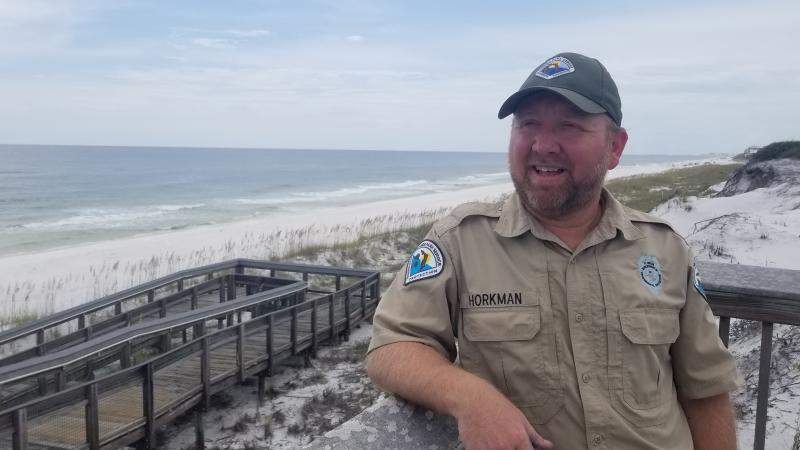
(555, 67)
(650, 272)
(426, 262)
(698, 283)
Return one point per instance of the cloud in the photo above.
(248, 33)
(211, 43)
(355, 38)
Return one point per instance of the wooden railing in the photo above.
(766, 295)
(125, 406)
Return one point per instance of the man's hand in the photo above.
(486, 419)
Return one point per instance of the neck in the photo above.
(572, 228)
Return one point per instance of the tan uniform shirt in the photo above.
(593, 346)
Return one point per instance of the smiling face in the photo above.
(558, 155)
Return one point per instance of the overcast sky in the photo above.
(695, 77)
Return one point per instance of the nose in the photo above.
(544, 141)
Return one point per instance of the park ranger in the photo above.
(558, 318)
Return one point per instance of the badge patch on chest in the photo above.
(427, 261)
(650, 272)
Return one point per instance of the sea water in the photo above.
(54, 196)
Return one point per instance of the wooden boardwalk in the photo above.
(125, 407)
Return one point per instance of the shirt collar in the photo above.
(515, 220)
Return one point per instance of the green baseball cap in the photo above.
(583, 81)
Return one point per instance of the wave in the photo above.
(109, 218)
(303, 197)
(412, 187)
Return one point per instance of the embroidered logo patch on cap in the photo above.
(698, 283)
(426, 262)
(650, 272)
(555, 67)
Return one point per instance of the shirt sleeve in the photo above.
(702, 366)
(416, 308)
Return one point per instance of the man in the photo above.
(577, 323)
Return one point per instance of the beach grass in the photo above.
(645, 192)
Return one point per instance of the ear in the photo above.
(617, 147)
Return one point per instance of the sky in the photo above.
(695, 77)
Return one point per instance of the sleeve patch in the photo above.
(427, 261)
(698, 283)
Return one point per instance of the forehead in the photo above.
(546, 102)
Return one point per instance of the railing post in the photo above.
(151, 296)
(41, 379)
(125, 355)
(19, 440)
(222, 289)
(364, 299)
(763, 386)
(180, 285)
(240, 348)
(61, 379)
(725, 329)
(205, 373)
(166, 341)
(231, 287)
(149, 407)
(314, 329)
(92, 420)
(270, 343)
(331, 315)
(338, 282)
(293, 330)
(347, 315)
(82, 321)
(162, 311)
(194, 297)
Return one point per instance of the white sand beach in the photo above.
(45, 282)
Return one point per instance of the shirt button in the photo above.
(572, 261)
(579, 317)
(597, 439)
(586, 378)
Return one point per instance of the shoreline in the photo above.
(42, 282)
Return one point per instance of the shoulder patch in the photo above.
(427, 261)
(698, 283)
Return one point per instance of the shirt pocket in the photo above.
(647, 391)
(514, 349)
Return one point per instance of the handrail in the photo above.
(75, 353)
(110, 300)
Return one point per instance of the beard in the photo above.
(555, 203)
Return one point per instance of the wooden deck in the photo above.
(124, 407)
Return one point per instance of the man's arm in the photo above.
(486, 418)
(711, 422)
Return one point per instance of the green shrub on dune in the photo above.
(777, 150)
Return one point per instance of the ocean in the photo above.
(55, 196)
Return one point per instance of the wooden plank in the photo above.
(92, 422)
(19, 440)
(763, 386)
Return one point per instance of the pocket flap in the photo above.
(501, 324)
(650, 326)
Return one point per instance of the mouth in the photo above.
(547, 171)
